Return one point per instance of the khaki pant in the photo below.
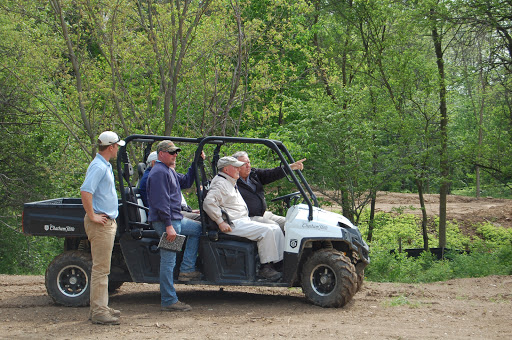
(101, 238)
(269, 237)
(269, 217)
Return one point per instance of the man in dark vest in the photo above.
(251, 182)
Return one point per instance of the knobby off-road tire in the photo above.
(329, 278)
(68, 278)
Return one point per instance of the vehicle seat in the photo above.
(214, 234)
(141, 167)
(136, 210)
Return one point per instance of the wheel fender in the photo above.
(295, 261)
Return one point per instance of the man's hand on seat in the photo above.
(224, 227)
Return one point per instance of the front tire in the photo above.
(329, 279)
(68, 278)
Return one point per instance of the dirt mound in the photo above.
(467, 211)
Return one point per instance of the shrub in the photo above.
(390, 229)
(490, 252)
(495, 236)
(22, 254)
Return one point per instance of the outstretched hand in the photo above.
(298, 165)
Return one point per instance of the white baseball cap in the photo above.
(228, 160)
(152, 157)
(108, 138)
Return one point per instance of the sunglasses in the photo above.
(175, 152)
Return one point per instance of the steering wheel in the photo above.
(288, 198)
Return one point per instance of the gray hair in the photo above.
(240, 154)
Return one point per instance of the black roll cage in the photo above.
(125, 168)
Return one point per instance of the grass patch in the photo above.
(401, 301)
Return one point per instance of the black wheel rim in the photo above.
(323, 280)
(72, 281)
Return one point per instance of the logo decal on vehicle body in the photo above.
(294, 243)
(51, 227)
(314, 226)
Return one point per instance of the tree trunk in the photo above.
(237, 70)
(346, 205)
(483, 83)
(371, 224)
(444, 164)
(320, 71)
(419, 185)
(170, 61)
(76, 69)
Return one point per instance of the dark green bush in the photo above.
(21, 254)
(490, 253)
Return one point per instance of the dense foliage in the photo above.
(488, 252)
(378, 95)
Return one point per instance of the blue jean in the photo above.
(186, 227)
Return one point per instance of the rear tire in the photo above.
(68, 278)
(329, 278)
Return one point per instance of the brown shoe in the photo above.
(190, 276)
(177, 307)
(269, 273)
(114, 312)
(105, 319)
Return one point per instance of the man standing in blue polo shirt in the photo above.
(100, 203)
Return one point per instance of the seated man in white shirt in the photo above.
(223, 195)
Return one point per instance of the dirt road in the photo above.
(478, 308)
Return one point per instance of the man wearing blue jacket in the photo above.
(144, 180)
(164, 199)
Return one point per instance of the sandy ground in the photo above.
(477, 308)
(468, 210)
